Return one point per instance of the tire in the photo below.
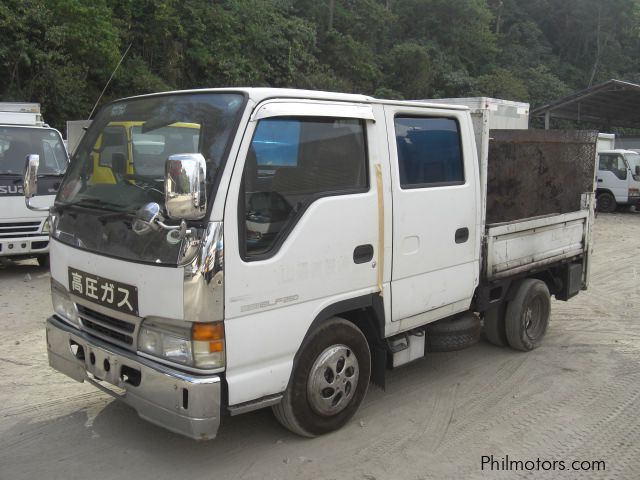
(606, 203)
(528, 314)
(43, 260)
(494, 325)
(314, 403)
(455, 334)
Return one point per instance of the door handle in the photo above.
(363, 253)
(599, 180)
(462, 235)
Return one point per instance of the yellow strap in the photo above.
(380, 227)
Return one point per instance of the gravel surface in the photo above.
(577, 397)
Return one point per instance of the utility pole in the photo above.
(332, 7)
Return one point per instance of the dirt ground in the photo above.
(575, 398)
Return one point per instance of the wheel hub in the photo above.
(533, 323)
(333, 380)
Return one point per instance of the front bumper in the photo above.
(185, 404)
(26, 246)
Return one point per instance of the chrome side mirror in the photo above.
(184, 186)
(30, 181)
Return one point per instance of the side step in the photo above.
(446, 335)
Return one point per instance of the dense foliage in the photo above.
(61, 52)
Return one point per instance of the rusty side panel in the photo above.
(538, 172)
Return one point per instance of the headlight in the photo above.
(46, 227)
(62, 304)
(199, 345)
(634, 192)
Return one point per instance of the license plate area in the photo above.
(105, 368)
(108, 293)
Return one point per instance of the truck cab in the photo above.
(24, 233)
(618, 179)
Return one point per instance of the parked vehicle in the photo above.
(24, 233)
(618, 179)
(303, 243)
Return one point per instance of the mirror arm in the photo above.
(30, 182)
(27, 202)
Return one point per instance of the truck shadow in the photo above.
(111, 433)
(18, 268)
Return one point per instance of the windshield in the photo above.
(633, 160)
(18, 142)
(119, 165)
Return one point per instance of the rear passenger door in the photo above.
(435, 213)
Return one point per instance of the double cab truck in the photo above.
(24, 233)
(283, 248)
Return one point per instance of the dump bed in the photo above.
(539, 198)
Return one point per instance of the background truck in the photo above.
(618, 175)
(24, 233)
(304, 243)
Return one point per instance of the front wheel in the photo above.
(606, 203)
(329, 381)
(43, 260)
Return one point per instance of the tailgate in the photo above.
(515, 247)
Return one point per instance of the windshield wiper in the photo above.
(92, 203)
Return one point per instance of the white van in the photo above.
(298, 245)
(24, 233)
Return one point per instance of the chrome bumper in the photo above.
(16, 247)
(185, 404)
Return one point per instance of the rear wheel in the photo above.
(528, 315)
(329, 381)
(606, 203)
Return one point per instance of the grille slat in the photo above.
(105, 326)
(20, 235)
(23, 229)
(19, 224)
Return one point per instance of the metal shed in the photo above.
(612, 104)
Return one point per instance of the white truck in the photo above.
(283, 248)
(24, 233)
(618, 175)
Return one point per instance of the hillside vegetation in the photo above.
(61, 52)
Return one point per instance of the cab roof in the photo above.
(617, 150)
(260, 94)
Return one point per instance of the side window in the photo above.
(291, 163)
(54, 156)
(114, 141)
(429, 152)
(614, 164)
(151, 149)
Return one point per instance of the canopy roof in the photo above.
(613, 103)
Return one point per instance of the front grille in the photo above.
(19, 229)
(106, 327)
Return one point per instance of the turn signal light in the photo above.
(207, 331)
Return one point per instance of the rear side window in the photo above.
(429, 152)
(291, 163)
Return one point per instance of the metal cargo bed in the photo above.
(526, 245)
